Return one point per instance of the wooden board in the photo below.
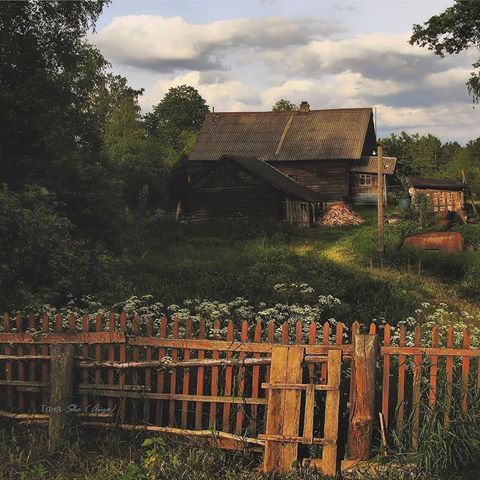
(283, 413)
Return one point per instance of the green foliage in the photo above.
(417, 154)
(451, 32)
(49, 132)
(426, 156)
(284, 105)
(471, 234)
(182, 109)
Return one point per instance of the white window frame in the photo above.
(365, 180)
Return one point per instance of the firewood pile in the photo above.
(340, 215)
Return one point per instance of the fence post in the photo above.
(363, 397)
(61, 388)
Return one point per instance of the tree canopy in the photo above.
(181, 110)
(284, 105)
(451, 32)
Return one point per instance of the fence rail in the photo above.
(169, 374)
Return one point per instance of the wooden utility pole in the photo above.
(381, 220)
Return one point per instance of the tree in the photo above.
(50, 130)
(182, 109)
(284, 105)
(451, 32)
(417, 154)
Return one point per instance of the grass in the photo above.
(26, 455)
(221, 262)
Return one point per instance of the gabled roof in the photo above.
(369, 165)
(436, 183)
(271, 136)
(273, 177)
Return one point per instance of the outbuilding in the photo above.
(250, 187)
(446, 195)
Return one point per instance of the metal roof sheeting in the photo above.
(270, 136)
(369, 165)
(436, 183)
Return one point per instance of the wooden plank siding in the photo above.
(226, 191)
(328, 177)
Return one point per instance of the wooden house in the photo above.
(364, 179)
(327, 151)
(252, 188)
(446, 195)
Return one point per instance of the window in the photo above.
(365, 180)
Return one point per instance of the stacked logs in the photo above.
(340, 215)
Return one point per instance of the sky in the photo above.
(244, 55)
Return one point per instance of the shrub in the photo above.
(471, 234)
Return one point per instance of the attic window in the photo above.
(365, 180)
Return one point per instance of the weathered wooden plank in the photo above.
(178, 397)
(257, 337)
(312, 340)
(148, 371)
(56, 338)
(309, 414)
(60, 392)
(200, 376)
(449, 375)
(297, 386)
(465, 369)
(400, 409)
(32, 365)
(173, 377)
(432, 394)
(283, 413)
(416, 392)
(84, 372)
(326, 342)
(241, 380)
(45, 351)
(214, 383)
(332, 405)
(122, 355)
(228, 381)
(296, 439)
(111, 357)
(186, 375)
(386, 375)
(8, 364)
(160, 375)
(362, 408)
(429, 351)
(225, 346)
(20, 366)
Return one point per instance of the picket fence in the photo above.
(190, 376)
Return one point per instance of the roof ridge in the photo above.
(290, 112)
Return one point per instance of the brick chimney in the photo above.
(304, 107)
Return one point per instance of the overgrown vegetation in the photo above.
(446, 452)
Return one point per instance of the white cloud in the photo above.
(169, 43)
(223, 94)
(248, 64)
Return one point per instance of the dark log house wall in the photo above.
(328, 177)
(226, 191)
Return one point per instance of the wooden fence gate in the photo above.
(284, 410)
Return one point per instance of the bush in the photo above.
(471, 234)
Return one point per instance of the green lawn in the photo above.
(224, 262)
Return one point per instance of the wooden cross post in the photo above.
(380, 202)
